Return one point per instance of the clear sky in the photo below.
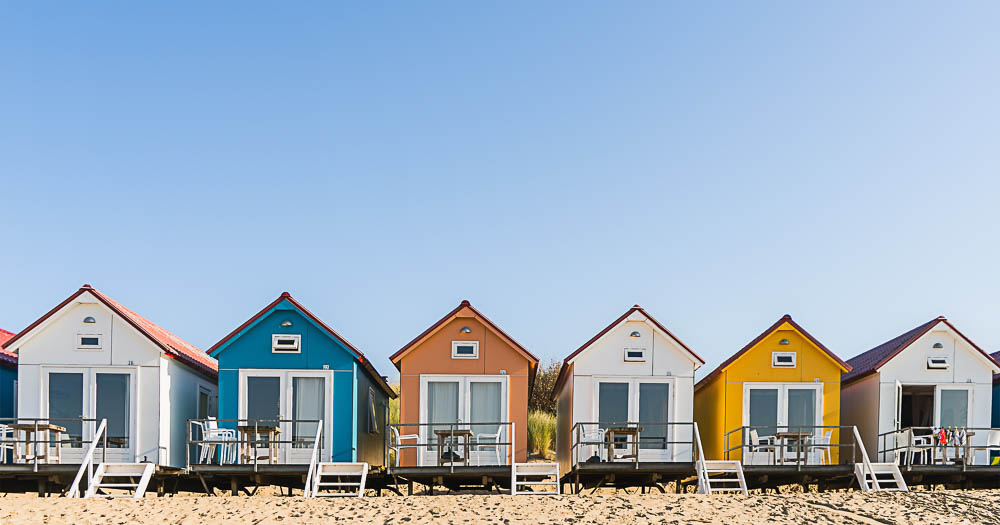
(720, 164)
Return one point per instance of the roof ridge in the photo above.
(870, 360)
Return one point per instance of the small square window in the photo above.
(635, 354)
(465, 349)
(285, 343)
(783, 359)
(88, 341)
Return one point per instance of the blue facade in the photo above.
(996, 404)
(319, 349)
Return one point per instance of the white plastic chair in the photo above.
(397, 441)
(213, 437)
(759, 446)
(992, 445)
(6, 442)
(481, 444)
(589, 438)
(921, 447)
(818, 448)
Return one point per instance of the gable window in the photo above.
(465, 349)
(635, 354)
(782, 359)
(937, 363)
(285, 343)
(88, 341)
(372, 412)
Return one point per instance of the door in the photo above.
(308, 409)
(295, 401)
(442, 405)
(66, 400)
(95, 394)
(953, 407)
(653, 415)
(474, 403)
(763, 410)
(899, 406)
(112, 403)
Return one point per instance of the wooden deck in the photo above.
(485, 477)
(55, 479)
(627, 474)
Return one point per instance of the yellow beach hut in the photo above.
(769, 402)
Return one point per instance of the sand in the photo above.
(840, 507)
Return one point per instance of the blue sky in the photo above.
(720, 164)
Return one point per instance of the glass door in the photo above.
(442, 411)
(263, 408)
(953, 410)
(612, 411)
(112, 404)
(308, 403)
(654, 402)
(763, 410)
(485, 414)
(801, 408)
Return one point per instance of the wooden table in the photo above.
(633, 431)
(451, 435)
(785, 440)
(29, 430)
(248, 438)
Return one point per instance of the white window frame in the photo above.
(783, 389)
(947, 362)
(464, 404)
(285, 405)
(776, 355)
(456, 344)
(633, 408)
(954, 386)
(640, 359)
(276, 350)
(81, 346)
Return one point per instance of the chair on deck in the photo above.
(992, 445)
(396, 441)
(589, 438)
(818, 449)
(487, 441)
(7, 439)
(759, 446)
(213, 437)
(914, 445)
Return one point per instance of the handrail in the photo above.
(670, 442)
(865, 460)
(801, 448)
(426, 441)
(88, 462)
(699, 462)
(313, 460)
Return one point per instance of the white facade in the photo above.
(953, 378)
(146, 395)
(645, 374)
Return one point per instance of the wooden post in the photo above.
(42, 482)
(233, 487)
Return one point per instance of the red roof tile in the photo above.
(7, 358)
(171, 345)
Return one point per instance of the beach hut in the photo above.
(91, 358)
(929, 377)
(466, 382)
(996, 393)
(8, 379)
(633, 375)
(767, 403)
(286, 368)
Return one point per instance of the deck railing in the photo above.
(26, 440)
(792, 445)
(634, 441)
(242, 441)
(453, 444)
(926, 445)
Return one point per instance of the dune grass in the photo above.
(541, 432)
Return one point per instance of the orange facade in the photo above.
(430, 354)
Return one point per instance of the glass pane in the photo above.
(66, 401)
(112, 404)
(802, 407)
(202, 405)
(954, 408)
(486, 407)
(764, 410)
(612, 404)
(263, 399)
(308, 394)
(442, 406)
(653, 403)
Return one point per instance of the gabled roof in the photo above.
(396, 357)
(219, 347)
(563, 370)
(784, 319)
(869, 362)
(6, 358)
(171, 345)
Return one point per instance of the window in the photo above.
(372, 412)
(782, 359)
(88, 341)
(937, 363)
(635, 354)
(465, 349)
(285, 343)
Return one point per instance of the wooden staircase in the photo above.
(880, 477)
(121, 471)
(720, 476)
(346, 479)
(523, 474)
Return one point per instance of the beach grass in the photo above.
(541, 432)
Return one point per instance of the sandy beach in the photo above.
(844, 507)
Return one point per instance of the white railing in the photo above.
(88, 462)
(699, 463)
(864, 459)
(313, 460)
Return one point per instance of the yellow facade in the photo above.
(718, 398)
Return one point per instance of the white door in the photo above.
(308, 407)
(94, 393)
(295, 401)
(773, 407)
(476, 403)
(645, 402)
